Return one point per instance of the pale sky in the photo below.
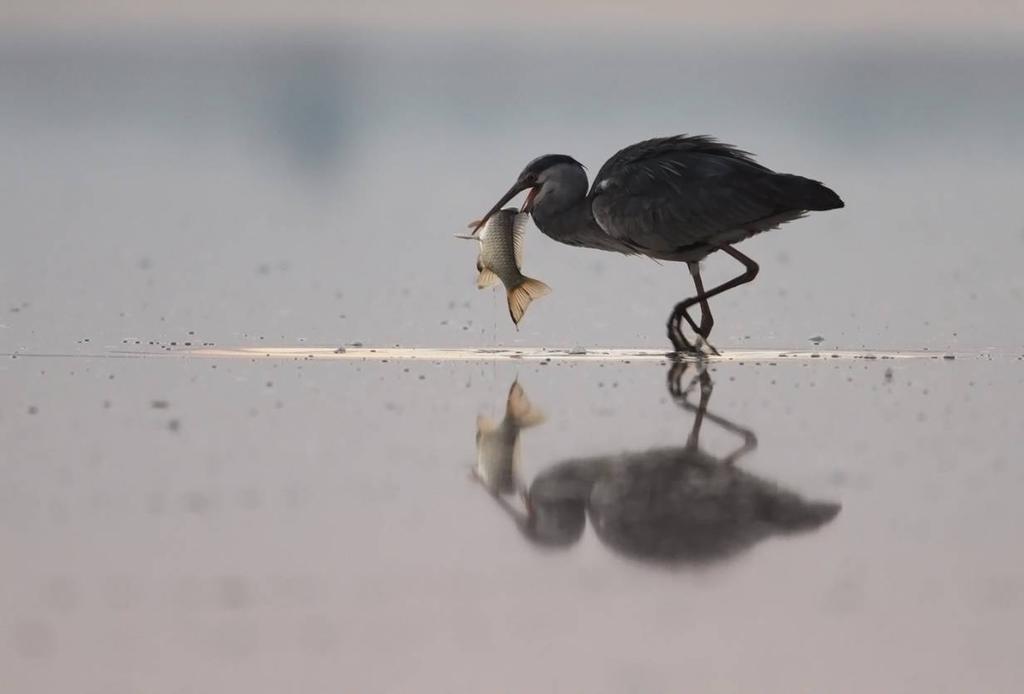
(907, 16)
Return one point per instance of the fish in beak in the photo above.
(520, 185)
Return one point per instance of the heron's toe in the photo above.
(709, 347)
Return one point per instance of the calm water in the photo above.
(180, 523)
(294, 522)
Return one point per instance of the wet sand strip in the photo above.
(623, 355)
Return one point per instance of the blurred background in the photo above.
(295, 171)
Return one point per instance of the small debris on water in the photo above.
(174, 425)
(949, 356)
(888, 375)
(817, 339)
(160, 404)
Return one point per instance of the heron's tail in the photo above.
(520, 296)
(805, 194)
(791, 513)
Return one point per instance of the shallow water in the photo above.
(263, 523)
(242, 367)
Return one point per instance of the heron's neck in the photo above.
(558, 196)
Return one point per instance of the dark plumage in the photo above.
(672, 198)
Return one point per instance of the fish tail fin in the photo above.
(520, 296)
(520, 410)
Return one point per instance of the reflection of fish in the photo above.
(501, 258)
(497, 445)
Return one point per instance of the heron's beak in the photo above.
(515, 190)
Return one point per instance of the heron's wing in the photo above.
(664, 194)
(664, 146)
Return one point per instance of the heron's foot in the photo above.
(683, 346)
(684, 349)
(680, 344)
(709, 347)
(688, 353)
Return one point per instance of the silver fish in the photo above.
(501, 258)
(497, 445)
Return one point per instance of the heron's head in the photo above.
(555, 523)
(546, 170)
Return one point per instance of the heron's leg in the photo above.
(707, 321)
(675, 334)
(680, 311)
(679, 343)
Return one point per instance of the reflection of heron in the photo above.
(676, 505)
(671, 198)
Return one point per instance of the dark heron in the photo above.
(671, 198)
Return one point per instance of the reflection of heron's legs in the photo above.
(680, 394)
(700, 411)
(749, 438)
(675, 378)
